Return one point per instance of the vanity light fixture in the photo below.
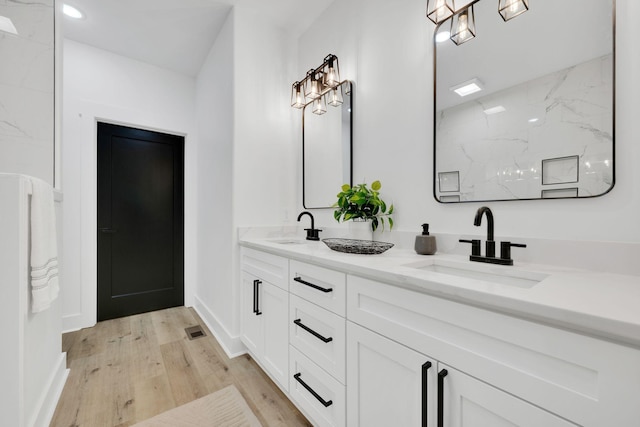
(71, 11)
(509, 9)
(319, 106)
(335, 97)
(297, 95)
(463, 26)
(440, 10)
(467, 88)
(312, 90)
(323, 81)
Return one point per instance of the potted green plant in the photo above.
(362, 203)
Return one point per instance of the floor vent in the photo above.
(194, 332)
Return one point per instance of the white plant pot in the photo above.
(360, 230)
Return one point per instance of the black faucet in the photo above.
(312, 233)
(490, 245)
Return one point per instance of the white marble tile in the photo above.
(25, 113)
(31, 63)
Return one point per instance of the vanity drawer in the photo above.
(319, 334)
(582, 379)
(317, 393)
(321, 286)
(265, 266)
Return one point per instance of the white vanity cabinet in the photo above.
(264, 312)
(501, 371)
(390, 384)
(352, 351)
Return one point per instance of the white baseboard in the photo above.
(232, 345)
(50, 395)
(75, 322)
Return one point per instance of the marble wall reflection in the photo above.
(499, 143)
(27, 89)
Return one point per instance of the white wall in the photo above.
(214, 105)
(246, 155)
(386, 48)
(99, 85)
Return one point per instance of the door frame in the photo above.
(89, 114)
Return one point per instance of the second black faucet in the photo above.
(490, 244)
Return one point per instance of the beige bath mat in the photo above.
(224, 408)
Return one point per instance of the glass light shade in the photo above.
(463, 26)
(319, 106)
(440, 10)
(297, 95)
(335, 97)
(511, 8)
(332, 76)
(312, 91)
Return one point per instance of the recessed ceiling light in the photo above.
(533, 120)
(467, 88)
(71, 11)
(494, 110)
(443, 36)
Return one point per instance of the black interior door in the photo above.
(140, 221)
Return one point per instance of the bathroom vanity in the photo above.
(401, 339)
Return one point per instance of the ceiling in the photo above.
(175, 34)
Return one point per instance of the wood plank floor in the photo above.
(127, 370)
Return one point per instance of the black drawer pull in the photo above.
(443, 373)
(312, 391)
(311, 331)
(311, 285)
(425, 396)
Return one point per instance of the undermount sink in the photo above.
(500, 275)
(288, 241)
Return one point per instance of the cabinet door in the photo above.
(274, 304)
(389, 384)
(469, 402)
(251, 322)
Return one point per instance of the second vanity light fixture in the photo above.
(321, 86)
(463, 23)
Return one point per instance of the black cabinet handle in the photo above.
(312, 391)
(425, 396)
(443, 373)
(311, 285)
(256, 296)
(255, 285)
(311, 331)
(107, 230)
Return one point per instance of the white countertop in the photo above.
(604, 305)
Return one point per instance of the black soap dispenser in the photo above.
(425, 244)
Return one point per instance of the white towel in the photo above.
(44, 247)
